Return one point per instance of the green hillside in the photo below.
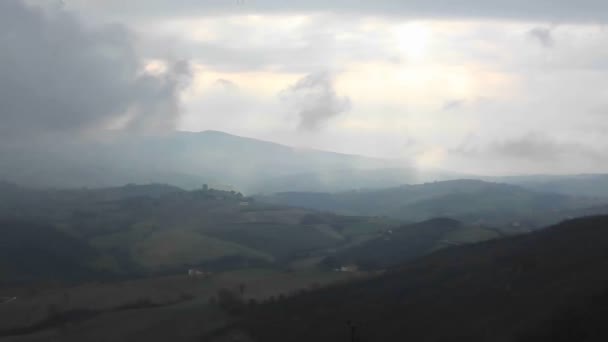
(404, 243)
(147, 229)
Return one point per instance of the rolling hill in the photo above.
(153, 229)
(150, 229)
(397, 245)
(549, 285)
(470, 201)
(591, 185)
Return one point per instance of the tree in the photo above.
(230, 301)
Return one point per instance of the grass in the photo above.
(157, 292)
(369, 226)
(126, 238)
(180, 247)
(277, 240)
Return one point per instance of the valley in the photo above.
(78, 261)
(303, 171)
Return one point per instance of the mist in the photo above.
(264, 170)
(93, 97)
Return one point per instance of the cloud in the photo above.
(532, 146)
(571, 11)
(292, 44)
(453, 105)
(482, 53)
(315, 101)
(59, 76)
(155, 106)
(226, 84)
(543, 35)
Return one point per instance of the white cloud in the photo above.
(416, 72)
(564, 10)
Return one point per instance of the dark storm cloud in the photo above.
(155, 102)
(560, 10)
(315, 101)
(56, 75)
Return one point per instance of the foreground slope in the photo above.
(550, 285)
(30, 251)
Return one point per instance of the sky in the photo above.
(487, 87)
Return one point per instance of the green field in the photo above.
(181, 299)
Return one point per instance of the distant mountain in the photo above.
(229, 162)
(593, 185)
(546, 286)
(191, 159)
(471, 201)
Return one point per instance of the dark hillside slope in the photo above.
(411, 241)
(31, 251)
(551, 285)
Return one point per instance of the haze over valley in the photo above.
(260, 170)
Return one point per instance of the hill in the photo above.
(592, 185)
(545, 286)
(470, 201)
(189, 159)
(150, 229)
(30, 252)
(397, 245)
